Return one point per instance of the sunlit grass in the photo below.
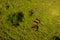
(48, 12)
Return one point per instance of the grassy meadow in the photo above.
(17, 18)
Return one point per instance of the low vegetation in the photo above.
(29, 19)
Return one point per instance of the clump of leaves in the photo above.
(15, 18)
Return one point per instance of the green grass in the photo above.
(47, 11)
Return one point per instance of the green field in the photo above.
(17, 18)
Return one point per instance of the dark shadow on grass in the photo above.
(35, 27)
(56, 38)
(31, 12)
(7, 7)
(15, 18)
(20, 16)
